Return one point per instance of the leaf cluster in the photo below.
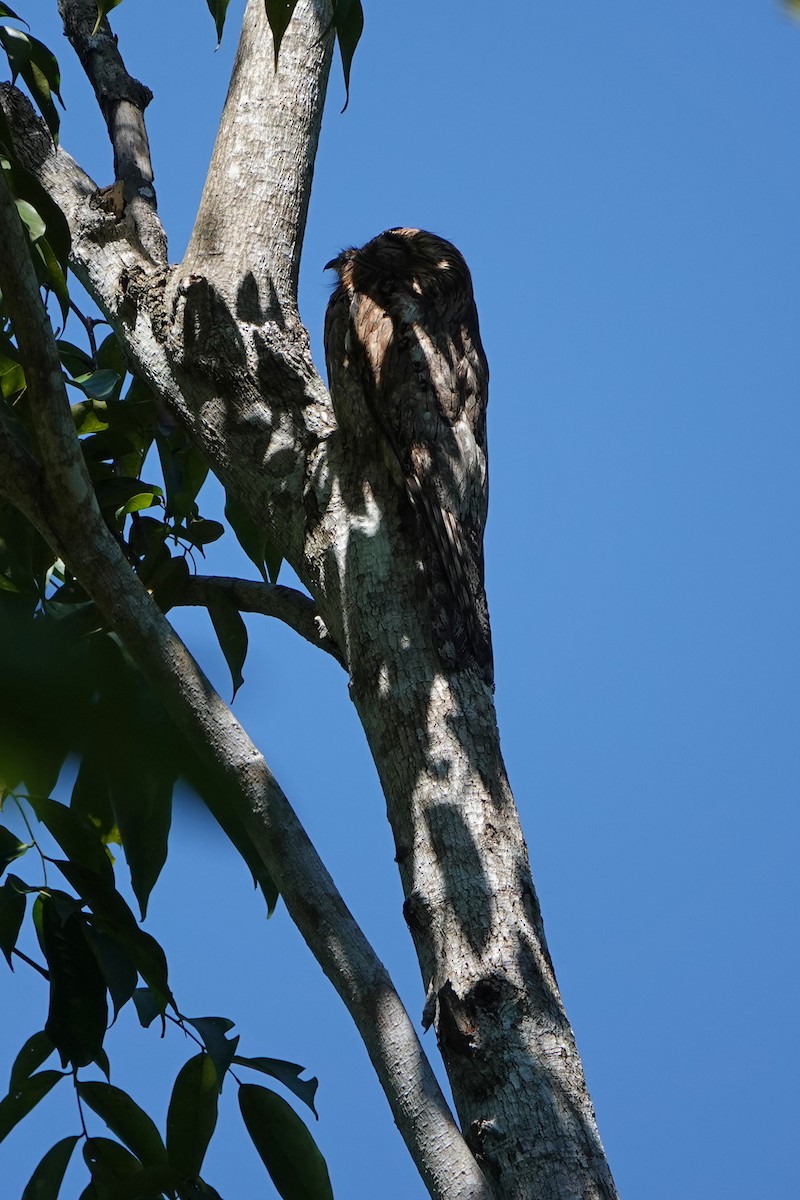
(158, 523)
(347, 23)
(32, 62)
(137, 1163)
(72, 698)
(96, 958)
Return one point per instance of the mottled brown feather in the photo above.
(407, 370)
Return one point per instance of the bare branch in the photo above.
(122, 101)
(250, 225)
(93, 555)
(295, 609)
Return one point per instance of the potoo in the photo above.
(406, 369)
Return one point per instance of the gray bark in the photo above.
(58, 497)
(221, 342)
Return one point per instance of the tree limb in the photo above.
(93, 555)
(122, 101)
(258, 456)
(222, 346)
(295, 609)
(20, 477)
(251, 221)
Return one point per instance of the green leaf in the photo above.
(45, 1182)
(185, 470)
(10, 848)
(113, 494)
(36, 1050)
(141, 797)
(55, 275)
(147, 1006)
(222, 803)
(91, 799)
(5, 11)
(99, 385)
(137, 409)
(18, 1103)
(272, 561)
(12, 912)
(288, 1074)
(102, 1062)
(287, 1149)
(279, 14)
(118, 971)
(78, 1013)
(38, 67)
(111, 356)
(348, 21)
(126, 1119)
(231, 633)
(169, 582)
(149, 1183)
(221, 1049)
(86, 415)
(218, 10)
(76, 361)
(65, 906)
(250, 537)
(147, 536)
(46, 63)
(26, 186)
(198, 1189)
(13, 382)
(192, 1115)
(109, 1164)
(111, 445)
(137, 504)
(201, 532)
(103, 7)
(40, 696)
(79, 840)
(113, 916)
(31, 220)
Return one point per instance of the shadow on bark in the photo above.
(471, 906)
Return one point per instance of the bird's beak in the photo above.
(333, 265)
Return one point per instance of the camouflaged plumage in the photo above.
(407, 370)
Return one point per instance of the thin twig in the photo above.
(89, 324)
(45, 974)
(295, 609)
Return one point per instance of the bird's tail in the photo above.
(465, 615)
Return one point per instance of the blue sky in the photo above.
(624, 181)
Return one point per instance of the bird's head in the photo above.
(402, 259)
(336, 264)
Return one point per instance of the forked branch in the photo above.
(79, 534)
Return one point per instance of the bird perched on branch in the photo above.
(407, 371)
